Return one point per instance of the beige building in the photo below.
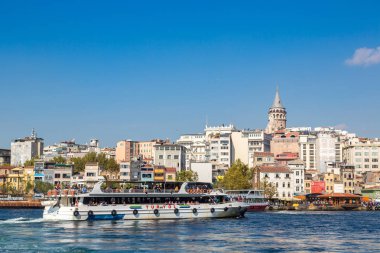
(92, 172)
(364, 154)
(283, 142)
(261, 158)
(126, 150)
(347, 174)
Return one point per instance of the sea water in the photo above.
(25, 231)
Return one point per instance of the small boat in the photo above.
(190, 202)
(254, 198)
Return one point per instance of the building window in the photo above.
(160, 157)
(283, 184)
(297, 181)
(169, 157)
(288, 185)
(176, 156)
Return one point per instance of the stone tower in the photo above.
(276, 116)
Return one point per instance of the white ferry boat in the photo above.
(254, 198)
(188, 203)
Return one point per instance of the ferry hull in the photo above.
(142, 213)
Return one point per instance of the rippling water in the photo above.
(24, 231)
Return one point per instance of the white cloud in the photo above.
(365, 56)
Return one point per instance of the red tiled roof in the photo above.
(274, 169)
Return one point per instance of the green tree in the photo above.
(108, 164)
(269, 189)
(30, 162)
(237, 177)
(187, 176)
(43, 187)
(28, 187)
(59, 160)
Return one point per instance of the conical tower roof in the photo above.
(277, 101)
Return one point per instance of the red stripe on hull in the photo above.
(256, 208)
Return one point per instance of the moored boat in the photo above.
(188, 203)
(253, 198)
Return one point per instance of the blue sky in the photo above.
(155, 69)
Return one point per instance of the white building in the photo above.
(281, 177)
(298, 169)
(170, 155)
(197, 148)
(125, 171)
(364, 154)
(308, 150)
(25, 149)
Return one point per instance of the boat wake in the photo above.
(20, 220)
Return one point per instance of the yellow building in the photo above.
(159, 173)
(330, 180)
(20, 180)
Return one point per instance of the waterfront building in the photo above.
(5, 170)
(372, 192)
(62, 174)
(308, 179)
(147, 174)
(159, 173)
(332, 181)
(170, 155)
(170, 174)
(20, 180)
(279, 176)
(92, 173)
(362, 153)
(298, 169)
(125, 171)
(347, 173)
(5, 156)
(276, 115)
(26, 148)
